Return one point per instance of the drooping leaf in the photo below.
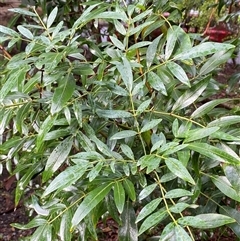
(206, 221)
(123, 134)
(90, 201)
(178, 192)
(113, 114)
(128, 230)
(148, 209)
(130, 189)
(125, 71)
(203, 49)
(152, 50)
(143, 106)
(117, 43)
(172, 36)
(225, 121)
(58, 156)
(147, 191)
(153, 220)
(213, 152)
(178, 169)
(14, 77)
(25, 32)
(214, 61)
(223, 184)
(95, 171)
(65, 225)
(207, 107)
(179, 207)
(127, 151)
(197, 134)
(66, 178)
(232, 173)
(235, 214)
(150, 161)
(178, 72)
(44, 128)
(119, 196)
(62, 94)
(191, 95)
(150, 125)
(156, 83)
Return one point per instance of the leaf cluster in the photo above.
(121, 128)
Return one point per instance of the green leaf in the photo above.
(95, 171)
(66, 178)
(206, 221)
(213, 152)
(23, 12)
(143, 106)
(223, 184)
(44, 129)
(179, 207)
(147, 191)
(8, 31)
(113, 15)
(21, 114)
(141, 16)
(150, 161)
(25, 32)
(25, 179)
(130, 189)
(139, 45)
(180, 234)
(137, 29)
(90, 201)
(125, 71)
(119, 27)
(52, 16)
(178, 192)
(113, 114)
(123, 134)
(58, 156)
(14, 77)
(119, 196)
(172, 36)
(203, 49)
(36, 222)
(178, 72)
(178, 169)
(152, 50)
(127, 151)
(62, 94)
(128, 229)
(148, 209)
(225, 121)
(197, 134)
(191, 95)
(42, 233)
(235, 214)
(215, 60)
(207, 107)
(117, 43)
(150, 125)
(233, 175)
(153, 220)
(156, 83)
(65, 225)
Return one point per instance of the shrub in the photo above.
(127, 132)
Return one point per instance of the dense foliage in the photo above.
(121, 128)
